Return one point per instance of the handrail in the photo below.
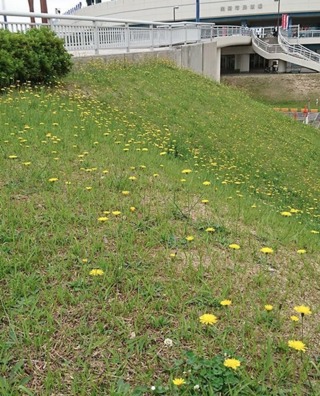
(297, 50)
(269, 48)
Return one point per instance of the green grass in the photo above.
(67, 332)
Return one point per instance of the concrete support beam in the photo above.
(282, 66)
(242, 62)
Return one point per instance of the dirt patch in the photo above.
(278, 87)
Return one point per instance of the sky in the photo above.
(22, 5)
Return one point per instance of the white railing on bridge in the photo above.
(297, 50)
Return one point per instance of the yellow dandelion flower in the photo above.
(266, 250)
(294, 318)
(210, 229)
(292, 210)
(186, 171)
(102, 219)
(301, 251)
(156, 175)
(96, 272)
(268, 307)
(163, 153)
(179, 381)
(183, 180)
(105, 171)
(88, 188)
(132, 178)
(26, 163)
(286, 214)
(303, 310)
(189, 238)
(53, 179)
(208, 319)
(125, 192)
(173, 255)
(12, 156)
(116, 212)
(204, 201)
(225, 302)
(234, 246)
(85, 260)
(206, 183)
(314, 232)
(132, 209)
(297, 345)
(232, 363)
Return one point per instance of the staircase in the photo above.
(280, 49)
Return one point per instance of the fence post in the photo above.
(185, 34)
(95, 38)
(127, 37)
(152, 38)
(211, 33)
(170, 33)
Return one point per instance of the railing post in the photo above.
(170, 33)
(95, 38)
(211, 33)
(127, 37)
(152, 37)
(185, 34)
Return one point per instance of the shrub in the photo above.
(37, 56)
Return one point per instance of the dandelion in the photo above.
(189, 238)
(266, 250)
(286, 214)
(186, 171)
(205, 201)
(13, 157)
(268, 307)
(206, 183)
(156, 175)
(301, 251)
(132, 209)
(96, 272)
(210, 229)
(89, 188)
(132, 178)
(183, 180)
(168, 342)
(84, 260)
(53, 179)
(26, 163)
(116, 212)
(234, 246)
(179, 381)
(297, 345)
(125, 193)
(208, 319)
(294, 318)
(232, 363)
(303, 310)
(173, 255)
(225, 302)
(314, 232)
(102, 219)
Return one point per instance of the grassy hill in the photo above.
(135, 199)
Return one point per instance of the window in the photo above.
(244, 7)
(260, 6)
(222, 9)
(252, 6)
(229, 8)
(237, 8)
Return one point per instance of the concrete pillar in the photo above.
(282, 66)
(242, 62)
(209, 53)
(217, 65)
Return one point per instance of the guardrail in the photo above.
(297, 50)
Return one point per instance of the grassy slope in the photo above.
(71, 332)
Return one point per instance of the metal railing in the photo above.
(297, 50)
(264, 46)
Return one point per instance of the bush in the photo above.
(37, 56)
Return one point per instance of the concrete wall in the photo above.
(202, 58)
